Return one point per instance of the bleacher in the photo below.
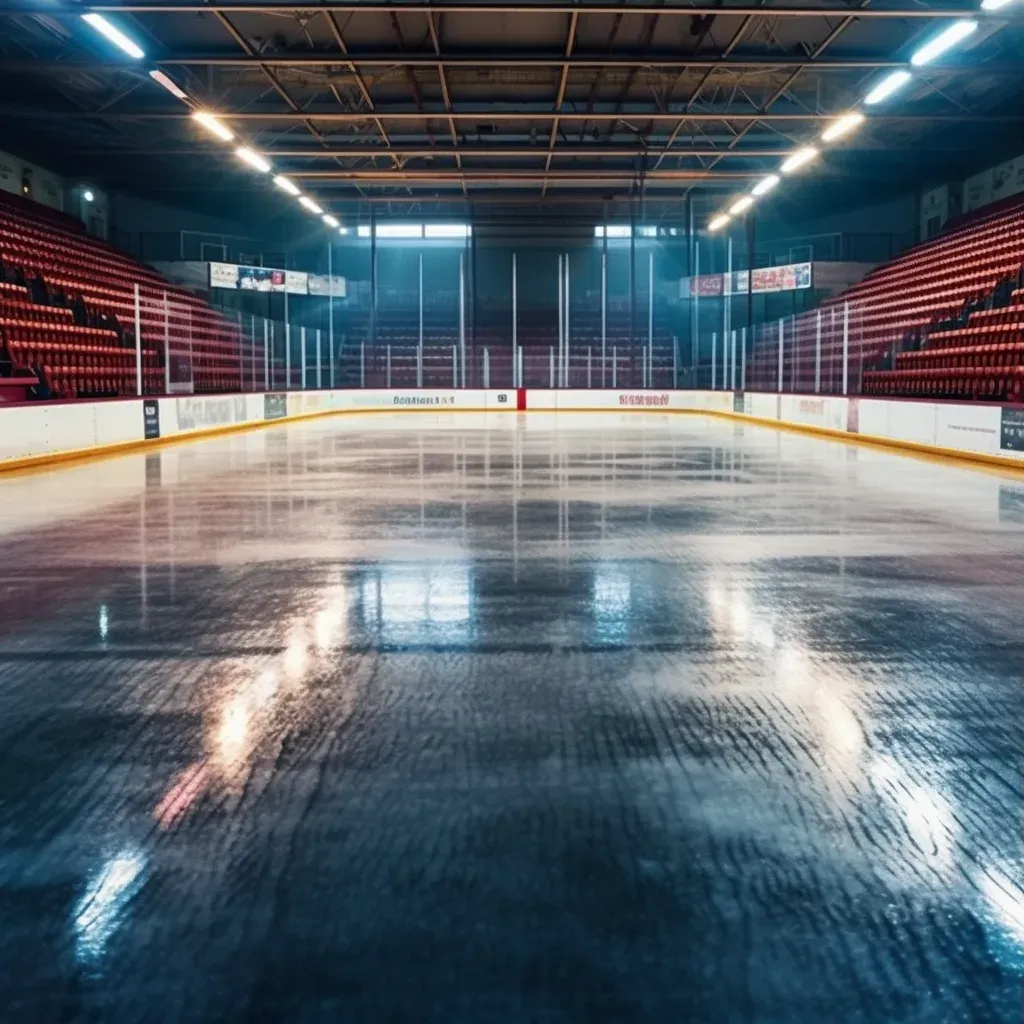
(930, 323)
(67, 313)
(397, 337)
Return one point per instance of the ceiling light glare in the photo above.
(843, 126)
(944, 41)
(88, 195)
(160, 78)
(285, 185)
(798, 159)
(331, 222)
(765, 185)
(344, 231)
(994, 5)
(887, 87)
(310, 205)
(740, 205)
(114, 34)
(213, 126)
(719, 222)
(253, 159)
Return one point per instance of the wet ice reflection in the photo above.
(104, 904)
(667, 741)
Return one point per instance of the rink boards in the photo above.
(40, 433)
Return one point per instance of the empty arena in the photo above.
(511, 512)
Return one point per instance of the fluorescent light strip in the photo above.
(798, 159)
(286, 185)
(213, 126)
(310, 205)
(161, 79)
(887, 87)
(740, 205)
(114, 34)
(944, 41)
(719, 222)
(765, 185)
(253, 159)
(843, 126)
(331, 222)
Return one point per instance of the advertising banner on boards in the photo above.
(1011, 434)
(275, 406)
(150, 418)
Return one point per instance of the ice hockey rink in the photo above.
(467, 718)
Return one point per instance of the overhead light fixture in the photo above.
(842, 126)
(213, 126)
(253, 159)
(719, 222)
(740, 205)
(88, 195)
(994, 5)
(286, 185)
(114, 34)
(765, 185)
(331, 222)
(310, 205)
(798, 159)
(162, 79)
(344, 231)
(887, 87)
(944, 41)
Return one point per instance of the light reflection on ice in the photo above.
(100, 911)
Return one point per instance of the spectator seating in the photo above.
(537, 334)
(68, 310)
(906, 302)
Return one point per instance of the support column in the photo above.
(138, 343)
(167, 347)
(782, 350)
(517, 381)
(287, 347)
(650, 319)
(462, 315)
(817, 354)
(419, 336)
(604, 305)
(846, 347)
(330, 316)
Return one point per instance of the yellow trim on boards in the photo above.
(936, 453)
(43, 461)
(931, 452)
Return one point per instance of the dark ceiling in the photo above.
(430, 106)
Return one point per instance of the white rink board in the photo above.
(966, 427)
(50, 428)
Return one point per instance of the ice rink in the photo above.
(424, 718)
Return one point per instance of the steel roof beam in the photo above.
(479, 152)
(405, 116)
(563, 81)
(514, 60)
(405, 7)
